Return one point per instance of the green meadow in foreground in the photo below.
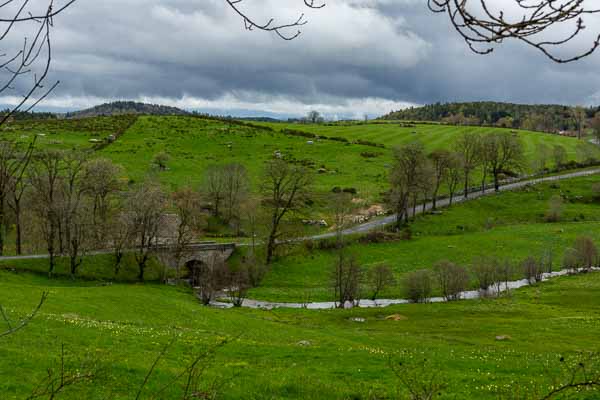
(295, 354)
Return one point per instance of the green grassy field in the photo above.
(433, 136)
(67, 133)
(195, 143)
(121, 326)
(124, 327)
(508, 225)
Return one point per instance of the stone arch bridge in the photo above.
(201, 253)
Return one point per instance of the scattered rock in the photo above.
(304, 343)
(396, 317)
(502, 338)
(358, 319)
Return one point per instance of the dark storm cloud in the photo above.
(353, 57)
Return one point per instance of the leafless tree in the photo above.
(236, 188)
(543, 153)
(559, 154)
(595, 125)
(418, 286)
(121, 235)
(452, 279)
(237, 283)
(45, 181)
(285, 188)
(346, 278)
(503, 153)
(454, 176)
(586, 251)
(314, 117)
(144, 208)
(214, 187)
(555, 209)
(579, 118)
(468, 147)
(440, 160)
(186, 203)
(13, 166)
(73, 215)
(486, 270)
(211, 277)
(17, 186)
(380, 277)
(405, 178)
(342, 208)
(532, 270)
(34, 22)
(587, 153)
(101, 181)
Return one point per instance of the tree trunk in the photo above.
(270, 248)
(142, 266)
(466, 186)
(18, 239)
(496, 182)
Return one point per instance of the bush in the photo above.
(418, 286)
(532, 270)
(586, 251)
(453, 279)
(486, 272)
(350, 190)
(570, 260)
(555, 206)
(380, 277)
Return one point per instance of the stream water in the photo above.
(470, 294)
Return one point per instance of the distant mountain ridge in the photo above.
(126, 107)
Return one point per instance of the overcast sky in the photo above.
(353, 57)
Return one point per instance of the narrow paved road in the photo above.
(379, 223)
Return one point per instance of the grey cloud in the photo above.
(350, 53)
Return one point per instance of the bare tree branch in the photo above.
(286, 31)
(24, 322)
(482, 27)
(32, 59)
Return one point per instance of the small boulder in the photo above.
(304, 343)
(396, 317)
(502, 338)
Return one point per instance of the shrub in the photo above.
(532, 270)
(380, 277)
(570, 261)
(587, 252)
(453, 279)
(554, 212)
(350, 190)
(418, 286)
(486, 272)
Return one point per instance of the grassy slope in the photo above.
(432, 136)
(509, 225)
(66, 133)
(195, 143)
(126, 326)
